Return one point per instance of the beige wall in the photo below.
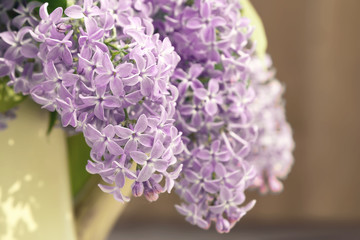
(315, 45)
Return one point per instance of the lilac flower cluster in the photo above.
(213, 107)
(210, 122)
(272, 152)
(107, 75)
(219, 111)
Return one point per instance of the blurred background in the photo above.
(315, 46)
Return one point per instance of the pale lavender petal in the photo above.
(123, 132)
(124, 69)
(8, 37)
(182, 210)
(161, 165)
(130, 146)
(217, 209)
(225, 194)
(117, 87)
(4, 70)
(99, 147)
(108, 131)
(145, 173)
(140, 62)
(208, 34)
(99, 111)
(43, 11)
(139, 157)
(217, 21)
(194, 23)
(13, 53)
(203, 154)
(157, 150)
(213, 86)
(70, 79)
(205, 10)
(102, 79)
(56, 14)
(106, 188)
(120, 179)
(111, 102)
(67, 56)
(200, 93)
(211, 186)
(146, 140)
(211, 108)
(74, 11)
(141, 124)
(146, 86)
(114, 148)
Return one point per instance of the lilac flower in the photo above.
(26, 14)
(60, 49)
(91, 39)
(55, 79)
(100, 102)
(135, 136)
(205, 22)
(215, 155)
(89, 9)
(49, 20)
(87, 67)
(108, 74)
(151, 163)
(210, 96)
(201, 181)
(68, 112)
(18, 45)
(145, 69)
(103, 140)
(186, 78)
(193, 215)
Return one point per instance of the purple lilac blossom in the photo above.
(272, 152)
(213, 112)
(219, 111)
(106, 73)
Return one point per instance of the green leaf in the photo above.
(8, 98)
(52, 120)
(53, 4)
(78, 155)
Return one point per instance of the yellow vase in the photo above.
(35, 200)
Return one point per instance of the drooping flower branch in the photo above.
(271, 154)
(107, 75)
(221, 111)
